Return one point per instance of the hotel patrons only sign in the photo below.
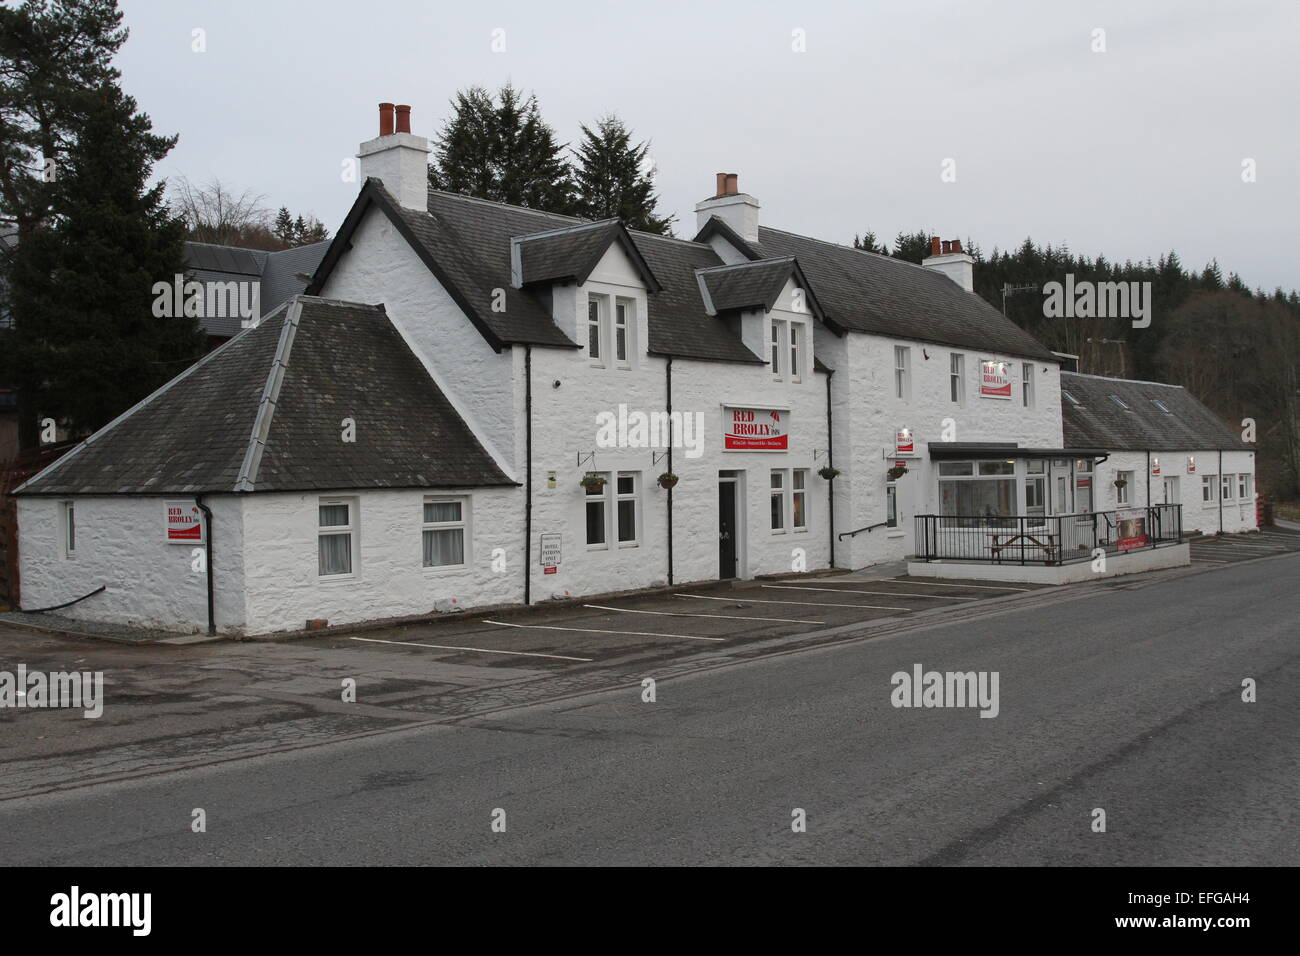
(995, 379)
(184, 522)
(1131, 528)
(755, 429)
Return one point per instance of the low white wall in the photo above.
(121, 543)
(1173, 556)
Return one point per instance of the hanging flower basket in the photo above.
(596, 482)
(898, 471)
(828, 472)
(1120, 483)
(667, 480)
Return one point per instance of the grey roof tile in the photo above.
(1099, 422)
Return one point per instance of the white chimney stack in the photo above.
(738, 210)
(397, 158)
(946, 256)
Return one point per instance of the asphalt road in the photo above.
(1127, 700)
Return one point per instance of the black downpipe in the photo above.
(671, 438)
(1219, 490)
(1148, 479)
(207, 538)
(830, 463)
(528, 474)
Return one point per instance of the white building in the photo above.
(410, 436)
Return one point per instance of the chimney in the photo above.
(946, 256)
(398, 158)
(738, 210)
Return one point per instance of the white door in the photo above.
(1171, 492)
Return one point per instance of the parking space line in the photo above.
(719, 617)
(944, 584)
(593, 630)
(864, 607)
(932, 597)
(477, 650)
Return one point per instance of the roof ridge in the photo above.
(840, 245)
(1130, 381)
(247, 480)
(748, 263)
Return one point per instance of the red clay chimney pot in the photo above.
(956, 245)
(403, 119)
(934, 245)
(385, 119)
(733, 183)
(722, 185)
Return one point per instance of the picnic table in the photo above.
(1044, 540)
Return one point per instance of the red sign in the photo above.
(1131, 529)
(1191, 465)
(754, 429)
(184, 522)
(551, 570)
(1085, 482)
(995, 379)
(903, 443)
(1155, 466)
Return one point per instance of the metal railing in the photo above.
(1046, 539)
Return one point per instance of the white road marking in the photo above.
(720, 617)
(932, 597)
(479, 650)
(864, 607)
(943, 584)
(593, 630)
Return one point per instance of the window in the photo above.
(1119, 401)
(69, 515)
(595, 308)
(1036, 487)
(1244, 489)
(957, 377)
(977, 490)
(1069, 397)
(902, 378)
(891, 505)
(1123, 492)
(336, 536)
(799, 499)
(796, 350)
(613, 510)
(1027, 384)
(778, 500)
(778, 335)
(623, 329)
(1207, 487)
(627, 500)
(1161, 405)
(1226, 482)
(445, 526)
(597, 511)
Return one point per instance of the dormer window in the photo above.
(796, 351)
(787, 347)
(594, 323)
(611, 332)
(623, 332)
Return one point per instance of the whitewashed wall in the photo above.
(121, 544)
(1198, 515)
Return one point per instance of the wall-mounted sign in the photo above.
(1191, 464)
(995, 379)
(1155, 466)
(904, 443)
(550, 553)
(184, 522)
(1131, 529)
(550, 479)
(1084, 482)
(755, 429)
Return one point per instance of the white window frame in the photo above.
(1225, 485)
(1209, 486)
(1244, 490)
(777, 353)
(903, 373)
(601, 324)
(798, 489)
(625, 321)
(776, 492)
(1123, 496)
(68, 527)
(891, 505)
(466, 541)
(795, 349)
(1027, 384)
(601, 498)
(957, 377)
(351, 530)
(635, 497)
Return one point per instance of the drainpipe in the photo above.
(207, 547)
(1220, 491)
(528, 473)
(669, 382)
(830, 463)
(1148, 478)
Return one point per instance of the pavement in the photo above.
(1230, 548)
(1122, 700)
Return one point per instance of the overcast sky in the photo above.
(1128, 152)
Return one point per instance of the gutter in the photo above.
(207, 548)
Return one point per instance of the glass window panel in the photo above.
(954, 468)
(595, 522)
(626, 484)
(335, 554)
(778, 512)
(997, 468)
(444, 546)
(436, 512)
(627, 520)
(332, 516)
(776, 480)
(799, 519)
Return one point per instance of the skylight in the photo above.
(1069, 398)
(1119, 401)
(1161, 405)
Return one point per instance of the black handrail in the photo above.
(868, 528)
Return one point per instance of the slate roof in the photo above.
(1098, 422)
(277, 274)
(865, 292)
(572, 252)
(290, 381)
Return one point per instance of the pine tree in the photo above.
(502, 150)
(86, 343)
(612, 179)
(283, 228)
(299, 230)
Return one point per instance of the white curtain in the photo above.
(444, 546)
